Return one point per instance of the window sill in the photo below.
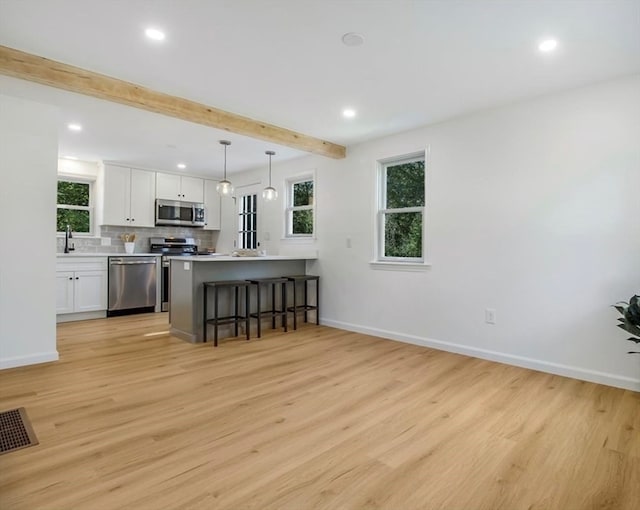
(400, 266)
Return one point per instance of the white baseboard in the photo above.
(617, 381)
(33, 359)
(80, 316)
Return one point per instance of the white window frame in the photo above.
(89, 208)
(290, 208)
(380, 261)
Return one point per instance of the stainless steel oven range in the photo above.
(171, 247)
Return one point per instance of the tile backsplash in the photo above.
(204, 238)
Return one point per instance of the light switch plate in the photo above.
(187, 266)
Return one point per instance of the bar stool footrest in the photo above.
(230, 319)
(301, 307)
(269, 313)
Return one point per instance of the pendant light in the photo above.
(269, 193)
(224, 187)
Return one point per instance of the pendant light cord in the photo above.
(225, 162)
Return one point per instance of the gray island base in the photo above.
(187, 274)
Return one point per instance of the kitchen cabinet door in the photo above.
(168, 186)
(142, 198)
(192, 189)
(129, 197)
(90, 291)
(117, 195)
(212, 205)
(64, 291)
(178, 187)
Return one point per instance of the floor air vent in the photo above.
(15, 431)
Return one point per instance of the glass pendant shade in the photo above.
(224, 187)
(269, 193)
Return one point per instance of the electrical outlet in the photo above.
(490, 316)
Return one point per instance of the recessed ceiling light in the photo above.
(182, 166)
(548, 45)
(155, 34)
(352, 39)
(348, 113)
(74, 127)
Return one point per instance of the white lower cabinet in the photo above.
(81, 285)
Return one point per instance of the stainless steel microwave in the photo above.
(171, 212)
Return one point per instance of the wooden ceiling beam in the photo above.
(26, 66)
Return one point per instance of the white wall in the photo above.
(28, 160)
(76, 168)
(534, 210)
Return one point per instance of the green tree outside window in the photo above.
(402, 210)
(300, 209)
(74, 206)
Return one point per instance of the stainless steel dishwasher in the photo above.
(132, 285)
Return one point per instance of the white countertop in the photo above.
(89, 254)
(229, 258)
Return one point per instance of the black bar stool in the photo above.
(234, 319)
(271, 283)
(306, 278)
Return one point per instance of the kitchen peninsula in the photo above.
(187, 274)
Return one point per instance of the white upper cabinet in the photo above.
(129, 197)
(143, 192)
(179, 187)
(212, 205)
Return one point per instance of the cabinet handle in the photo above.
(126, 219)
(70, 278)
(133, 219)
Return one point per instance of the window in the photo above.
(74, 206)
(400, 222)
(300, 207)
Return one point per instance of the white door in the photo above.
(248, 225)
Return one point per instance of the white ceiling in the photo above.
(283, 62)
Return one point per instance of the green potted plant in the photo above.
(630, 320)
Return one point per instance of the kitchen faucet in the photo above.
(67, 236)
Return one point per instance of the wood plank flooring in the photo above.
(131, 417)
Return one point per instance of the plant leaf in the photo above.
(619, 308)
(630, 328)
(633, 339)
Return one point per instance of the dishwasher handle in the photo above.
(122, 262)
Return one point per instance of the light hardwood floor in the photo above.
(315, 419)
